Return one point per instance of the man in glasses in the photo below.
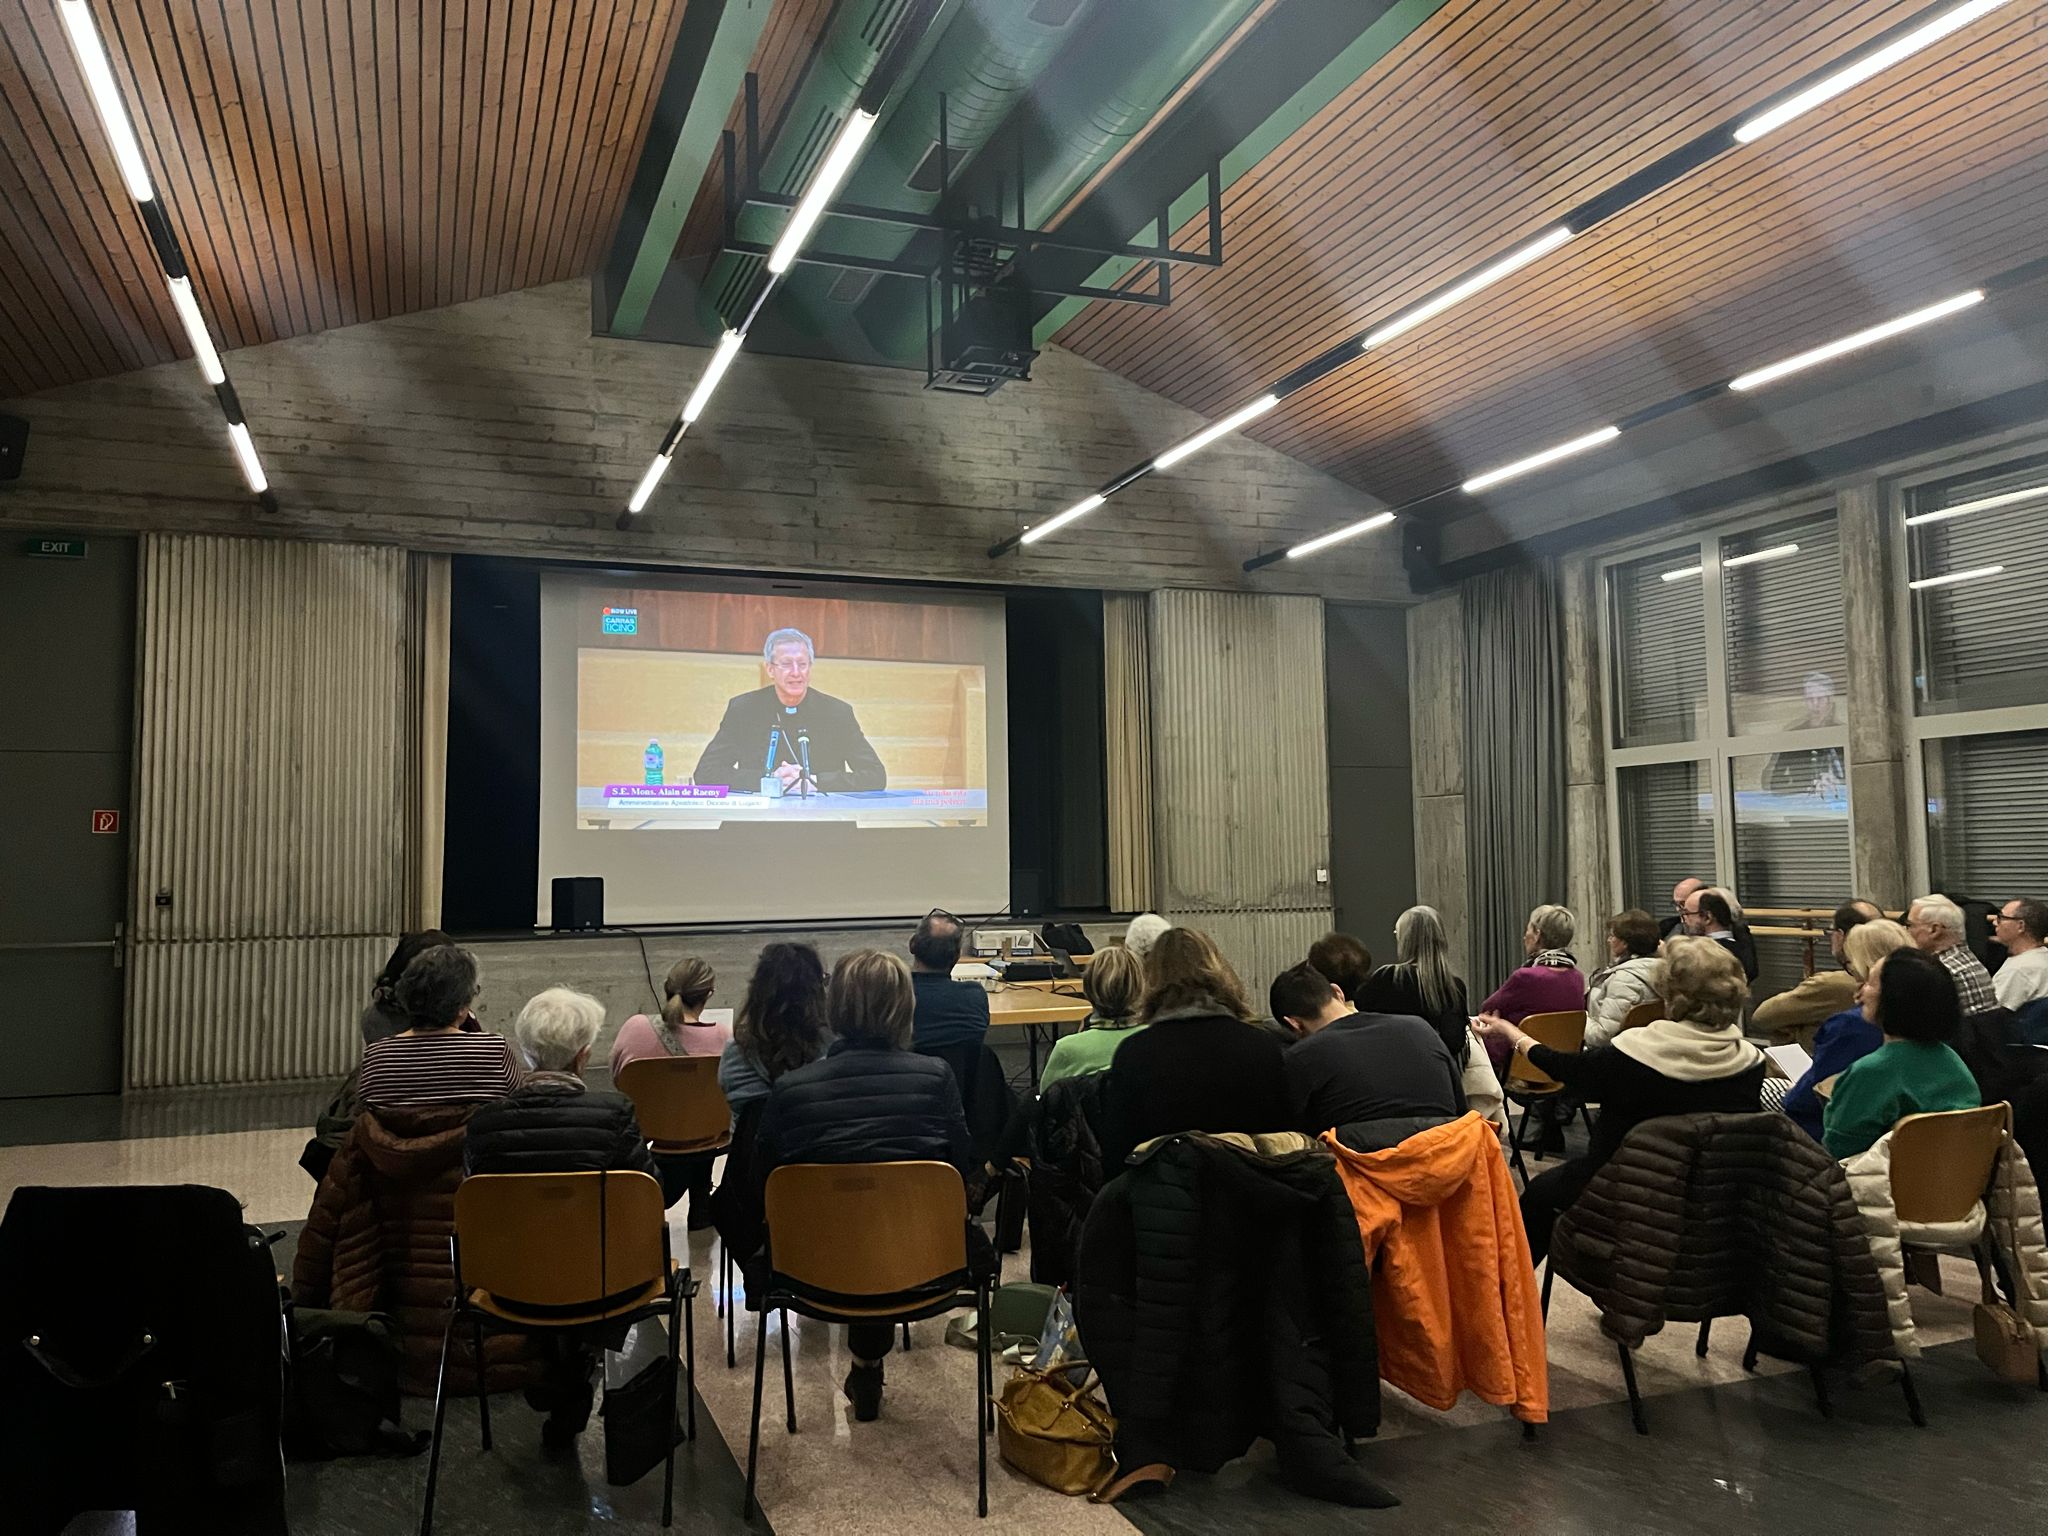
(790, 731)
(2021, 925)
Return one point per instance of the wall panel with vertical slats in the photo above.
(1127, 735)
(273, 830)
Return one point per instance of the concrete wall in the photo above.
(502, 426)
(1436, 695)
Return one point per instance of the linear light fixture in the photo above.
(638, 503)
(1981, 504)
(1974, 574)
(1682, 572)
(203, 351)
(1323, 541)
(838, 161)
(1078, 510)
(1188, 447)
(106, 97)
(1854, 73)
(1775, 552)
(1458, 292)
(721, 359)
(1813, 358)
(1536, 461)
(245, 451)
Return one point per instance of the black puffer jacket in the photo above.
(1066, 1172)
(864, 1103)
(1702, 1216)
(1223, 1296)
(552, 1123)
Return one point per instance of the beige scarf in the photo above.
(1688, 1052)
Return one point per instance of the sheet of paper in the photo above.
(1792, 1060)
(718, 1016)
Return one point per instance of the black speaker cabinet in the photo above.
(579, 902)
(13, 446)
(1421, 546)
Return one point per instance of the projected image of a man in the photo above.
(772, 731)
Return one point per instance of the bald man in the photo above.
(1791, 1018)
(1680, 894)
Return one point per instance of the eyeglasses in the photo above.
(2004, 917)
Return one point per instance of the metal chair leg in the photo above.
(1706, 1327)
(788, 1376)
(440, 1418)
(1820, 1392)
(668, 1425)
(732, 1307)
(1912, 1396)
(906, 1336)
(689, 1311)
(1635, 1397)
(1549, 1274)
(483, 1387)
(984, 1375)
(1749, 1352)
(724, 1275)
(754, 1429)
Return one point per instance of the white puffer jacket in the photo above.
(2014, 1208)
(1616, 990)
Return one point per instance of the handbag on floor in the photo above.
(635, 1410)
(1052, 1427)
(2004, 1340)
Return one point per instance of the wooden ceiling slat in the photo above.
(622, 26)
(454, 83)
(569, 45)
(522, 43)
(272, 201)
(582, 133)
(292, 120)
(653, 33)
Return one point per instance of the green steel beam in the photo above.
(1366, 50)
(735, 29)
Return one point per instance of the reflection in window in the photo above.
(1660, 673)
(1791, 850)
(1987, 815)
(1979, 639)
(1667, 831)
(1782, 600)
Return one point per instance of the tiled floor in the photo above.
(1728, 1451)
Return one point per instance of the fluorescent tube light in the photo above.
(1485, 277)
(1682, 572)
(245, 450)
(838, 161)
(1982, 504)
(721, 359)
(1775, 552)
(1537, 460)
(1953, 577)
(106, 97)
(1078, 510)
(1872, 63)
(641, 492)
(203, 352)
(1214, 430)
(1322, 542)
(1834, 349)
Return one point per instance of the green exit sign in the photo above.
(55, 549)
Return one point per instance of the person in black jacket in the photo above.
(870, 1099)
(789, 727)
(552, 1123)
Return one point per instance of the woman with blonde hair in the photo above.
(1115, 989)
(1845, 1038)
(679, 1029)
(1694, 1061)
(1201, 1063)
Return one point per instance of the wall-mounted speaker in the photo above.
(578, 902)
(1421, 547)
(13, 446)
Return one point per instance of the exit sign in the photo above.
(55, 549)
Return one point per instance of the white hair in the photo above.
(1144, 933)
(780, 637)
(557, 1026)
(1734, 906)
(1553, 926)
(1940, 911)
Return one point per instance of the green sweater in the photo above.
(1899, 1078)
(1087, 1051)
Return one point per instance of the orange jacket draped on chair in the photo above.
(1454, 1296)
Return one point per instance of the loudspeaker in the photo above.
(1421, 547)
(13, 446)
(579, 902)
(1026, 891)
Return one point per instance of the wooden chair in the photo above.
(1526, 1085)
(1643, 1013)
(683, 1113)
(869, 1243)
(536, 1252)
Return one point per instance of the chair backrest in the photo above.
(1564, 1031)
(1942, 1163)
(1644, 1013)
(560, 1239)
(677, 1100)
(867, 1229)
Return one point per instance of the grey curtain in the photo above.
(1127, 739)
(1514, 762)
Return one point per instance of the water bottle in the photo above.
(653, 762)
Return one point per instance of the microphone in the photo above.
(803, 747)
(774, 742)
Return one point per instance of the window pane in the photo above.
(1782, 588)
(1660, 681)
(1979, 643)
(1667, 833)
(1791, 850)
(1987, 815)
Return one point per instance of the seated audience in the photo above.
(1549, 982)
(1344, 960)
(1143, 933)
(552, 1123)
(1708, 914)
(1115, 989)
(1351, 1067)
(1693, 1061)
(1847, 1036)
(2022, 927)
(1937, 927)
(1420, 981)
(870, 1099)
(1201, 1064)
(1792, 1017)
(1674, 922)
(440, 1057)
(679, 1029)
(1910, 996)
(1627, 980)
(949, 1013)
(779, 1027)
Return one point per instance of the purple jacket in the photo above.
(1537, 989)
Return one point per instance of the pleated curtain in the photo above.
(1127, 740)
